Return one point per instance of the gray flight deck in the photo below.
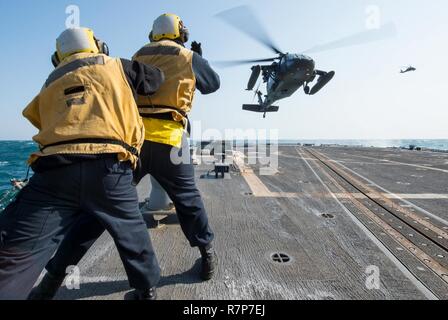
(345, 216)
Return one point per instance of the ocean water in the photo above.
(14, 154)
(13, 158)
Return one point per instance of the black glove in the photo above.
(196, 47)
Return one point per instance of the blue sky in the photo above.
(368, 99)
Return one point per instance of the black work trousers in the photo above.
(174, 170)
(58, 202)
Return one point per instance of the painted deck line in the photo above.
(260, 190)
(402, 163)
(435, 217)
(263, 192)
(418, 284)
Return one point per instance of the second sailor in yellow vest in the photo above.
(175, 98)
(165, 116)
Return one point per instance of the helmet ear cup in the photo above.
(103, 47)
(55, 59)
(184, 35)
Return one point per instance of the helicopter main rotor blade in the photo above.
(234, 63)
(386, 31)
(244, 20)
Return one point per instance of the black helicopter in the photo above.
(288, 72)
(408, 69)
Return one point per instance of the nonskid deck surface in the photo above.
(334, 212)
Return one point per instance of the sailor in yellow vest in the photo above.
(165, 116)
(90, 136)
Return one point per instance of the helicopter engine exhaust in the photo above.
(322, 81)
(256, 71)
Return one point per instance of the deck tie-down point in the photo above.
(280, 258)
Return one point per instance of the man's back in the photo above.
(176, 62)
(86, 107)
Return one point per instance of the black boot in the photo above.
(209, 263)
(47, 288)
(150, 295)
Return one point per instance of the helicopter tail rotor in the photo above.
(257, 92)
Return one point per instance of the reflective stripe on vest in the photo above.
(73, 66)
(161, 51)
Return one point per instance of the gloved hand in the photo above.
(197, 47)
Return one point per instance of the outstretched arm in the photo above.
(207, 80)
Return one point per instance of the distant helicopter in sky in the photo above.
(408, 69)
(288, 72)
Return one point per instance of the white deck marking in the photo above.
(257, 186)
(260, 190)
(397, 196)
(402, 163)
(418, 284)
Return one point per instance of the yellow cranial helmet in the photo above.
(169, 26)
(76, 40)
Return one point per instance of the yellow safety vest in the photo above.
(87, 107)
(176, 94)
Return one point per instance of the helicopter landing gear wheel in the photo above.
(307, 89)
